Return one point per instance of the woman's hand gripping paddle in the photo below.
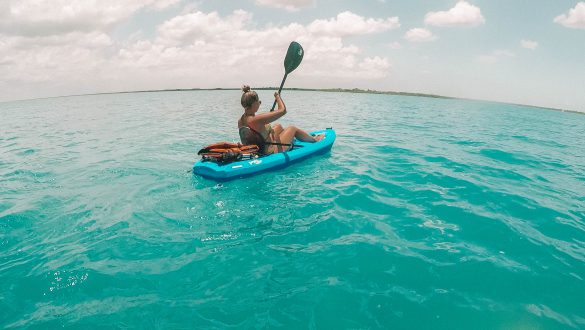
(294, 56)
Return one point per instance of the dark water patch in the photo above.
(507, 157)
(498, 174)
(448, 164)
(525, 160)
(4, 206)
(467, 143)
(533, 141)
(21, 221)
(541, 178)
(26, 174)
(27, 152)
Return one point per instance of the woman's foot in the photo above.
(318, 137)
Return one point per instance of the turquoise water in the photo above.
(426, 214)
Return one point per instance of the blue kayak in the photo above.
(242, 168)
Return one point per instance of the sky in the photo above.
(515, 51)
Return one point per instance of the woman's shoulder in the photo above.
(246, 121)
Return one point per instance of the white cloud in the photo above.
(57, 59)
(575, 19)
(233, 43)
(348, 23)
(463, 14)
(44, 17)
(290, 5)
(375, 67)
(202, 27)
(495, 56)
(164, 4)
(529, 44)
(419, 35)
(232, 46)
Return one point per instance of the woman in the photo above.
(260, 131)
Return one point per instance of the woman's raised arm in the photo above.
(269, 117)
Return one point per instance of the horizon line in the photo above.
(328, 90)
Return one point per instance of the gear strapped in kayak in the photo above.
(226, 152)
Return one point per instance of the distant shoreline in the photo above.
(327, 90)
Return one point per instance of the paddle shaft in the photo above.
(280, 89)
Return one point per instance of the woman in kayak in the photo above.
(258, 129)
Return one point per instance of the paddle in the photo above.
(293, 58)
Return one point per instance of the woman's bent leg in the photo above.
(277, 129)
(306, 137)
(291, 132)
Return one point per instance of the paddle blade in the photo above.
(294, 56)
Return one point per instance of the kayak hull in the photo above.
(244, 168)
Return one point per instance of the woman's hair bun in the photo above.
(246, 88)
